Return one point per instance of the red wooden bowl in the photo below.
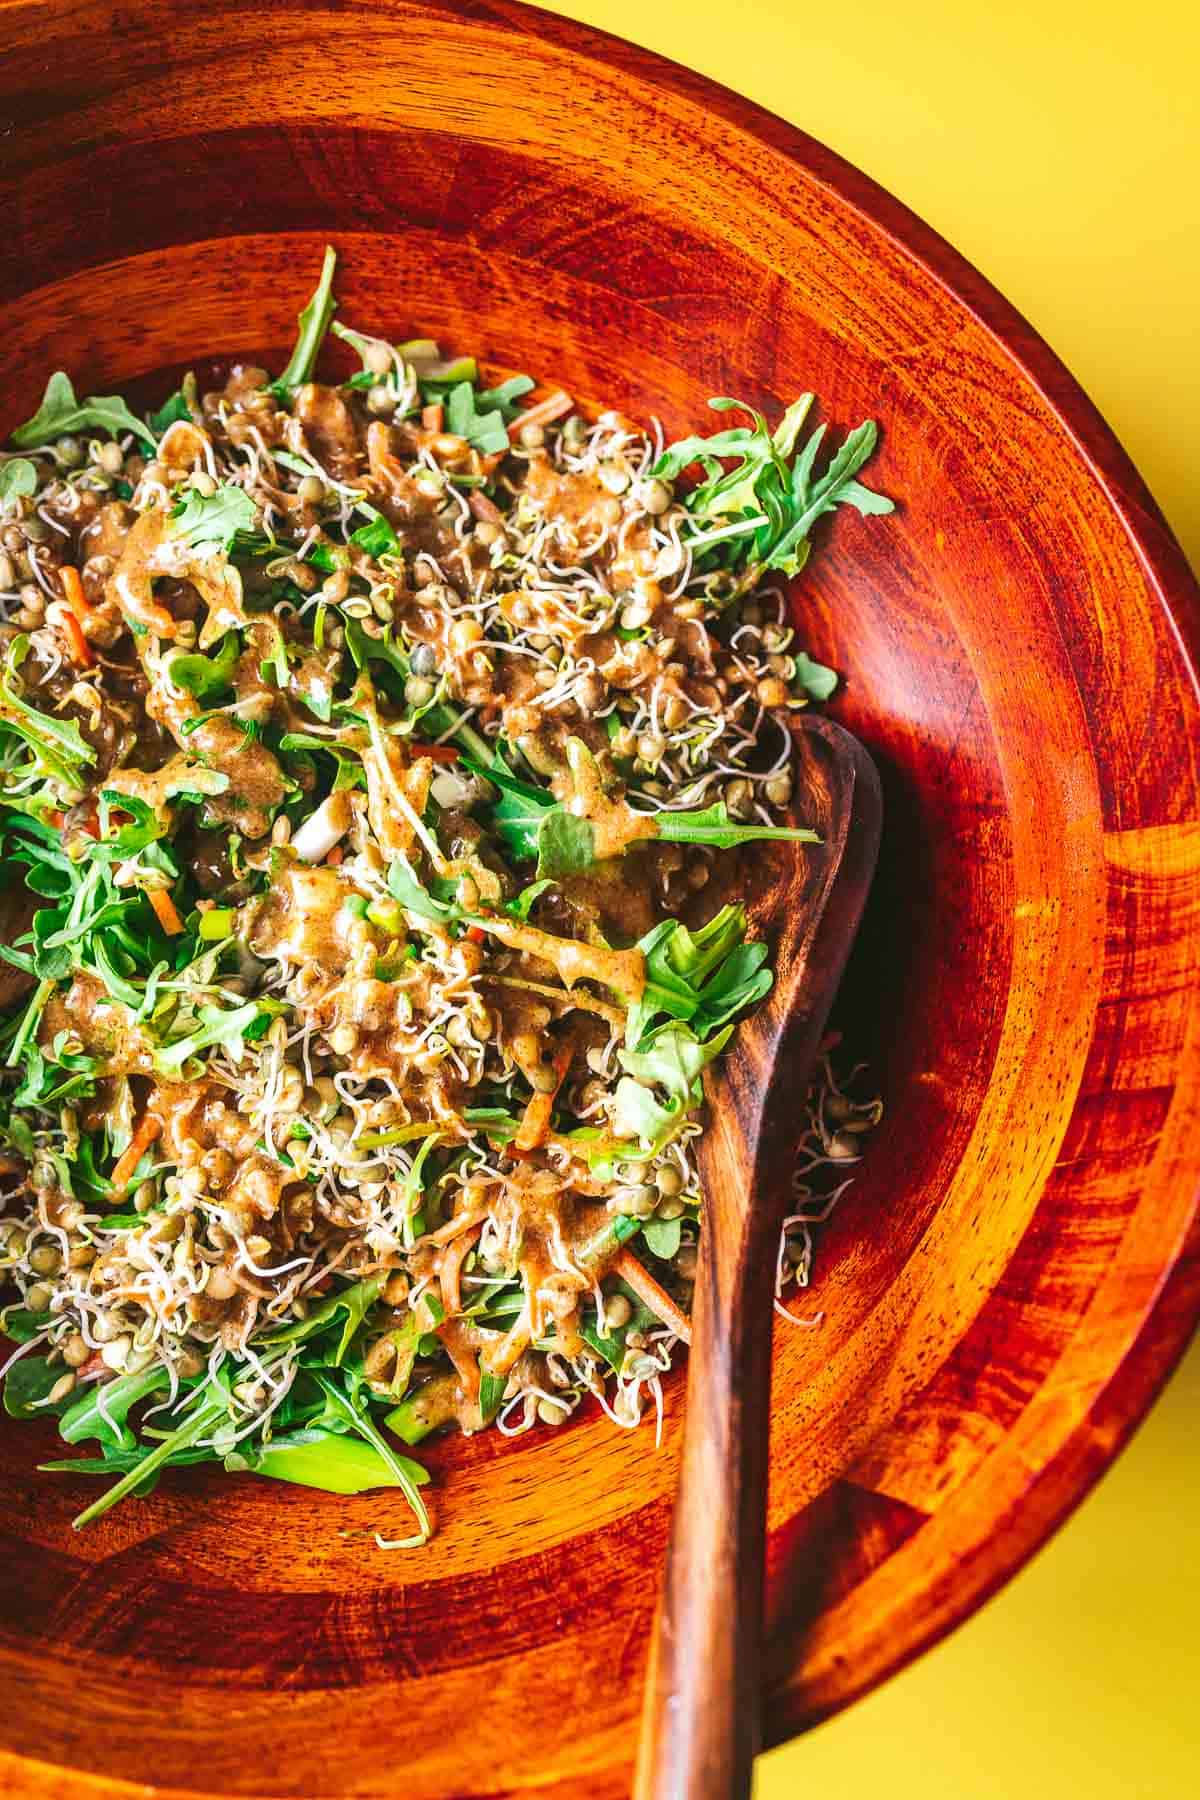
(1009, 1280)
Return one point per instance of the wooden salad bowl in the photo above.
(1012, 1275)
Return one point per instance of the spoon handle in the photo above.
(700, 1721)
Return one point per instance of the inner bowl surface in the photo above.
(1007, 1281)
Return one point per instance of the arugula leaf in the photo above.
(60, 412)
(145, 826)
(314, 322)
(377, 537)
(56, 742)
(360, 1423)
(349, 1304)
(206, 677)
(17, 476)
(611, 1345)
(21, 1325)
(172, 410)
(48, 1081)
(349, 764)
(705, 976)
(712, 825)
(405, 887)
(102, 1410)
(529, 822)
(662, 1236)
(211, 1402)
(412, 1188)
(761, 510)
(523, 905)
(491, 1394)
(817, 681)
(27, 1387)
(211, 522)
(672, 1058)
(217, 1025)
(565, 844)
(329, 1460)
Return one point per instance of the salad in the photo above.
(377, 759)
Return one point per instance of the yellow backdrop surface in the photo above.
(1057, 146)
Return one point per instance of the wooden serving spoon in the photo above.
(700, 1720)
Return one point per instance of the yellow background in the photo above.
(1057, 144)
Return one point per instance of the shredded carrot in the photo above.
(544, 413)
(81, 650)
(459, 1351)
(450, 1267)
(166, 911)
(444, 753)
(131, 1156)
(639, 1278)
(433, 417)
(535, 1122)
(333, 857)
(72, 587)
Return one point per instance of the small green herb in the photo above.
(314, 322)
(211, 522)
(60, 412)
(760, 512)
(17, 476)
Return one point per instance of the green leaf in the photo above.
(171, 412)
(211, 1405)
(210, 522)
(331, 1461)
(814, 678)
(677, 965)
(405, 887)
(350, 1305)
(376, 538)
(17, 476)
(210, 677)
(216, 1025)
(313, 322)
(672, 1058)
(565, 844)
(21, 1325)
(760, 511)
(523, 905)
(60, 412)
(662, 1236)
(349, 763)
(145, 826)
(712, 825)
(87, 1417)
(611, 1345)
(491, 1394)
(365, 1428)
(55, 741)
(27, 1385)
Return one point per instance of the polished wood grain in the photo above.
(1015, 1268)
(701, 1713)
